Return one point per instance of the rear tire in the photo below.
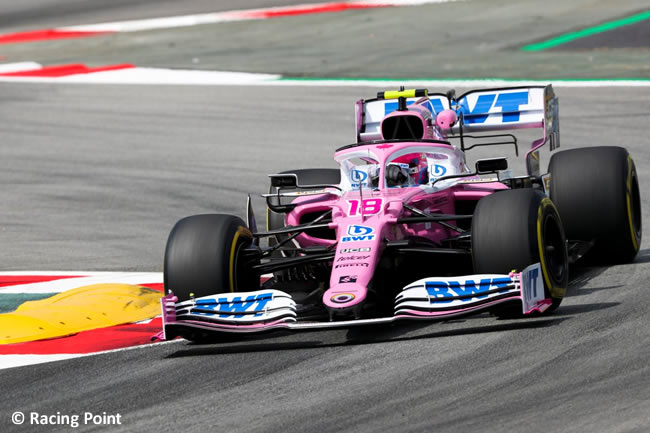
(596, 191)
(204, 256)
(513, 229)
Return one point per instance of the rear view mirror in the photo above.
(492, 165)
(289, 180)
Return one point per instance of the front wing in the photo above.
(429, 298)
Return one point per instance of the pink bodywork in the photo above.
(353, 271)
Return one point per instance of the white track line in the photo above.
(19, 67)
(143, 76)
(11, 361)
(159, 76)
(171, 76)
(227, 16)
(87, 279)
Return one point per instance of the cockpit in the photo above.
(406, 166)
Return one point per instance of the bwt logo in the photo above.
(355, 230)
(231, 307)
(437, 171)
(359, 176)
(359, 233)
(486, 104)
(443, 291)
(508, 102)
(531, 283)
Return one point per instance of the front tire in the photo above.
(204, 256)
(513, 229)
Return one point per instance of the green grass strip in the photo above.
(10, 301)
(571, 36)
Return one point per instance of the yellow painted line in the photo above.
(80, 309)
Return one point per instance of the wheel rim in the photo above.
(243, 276)
(554, 250)
(634, 208)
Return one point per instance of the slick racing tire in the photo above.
(204, 256)
(513, 229)
(306, 176)
(596, 191)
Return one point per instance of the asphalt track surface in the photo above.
(459, 39)
(93, 177)
(632, 36)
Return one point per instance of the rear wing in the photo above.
(370, 113)
(499, 109)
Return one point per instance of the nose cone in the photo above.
(344, 296)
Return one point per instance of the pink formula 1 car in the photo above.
(405, 229)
